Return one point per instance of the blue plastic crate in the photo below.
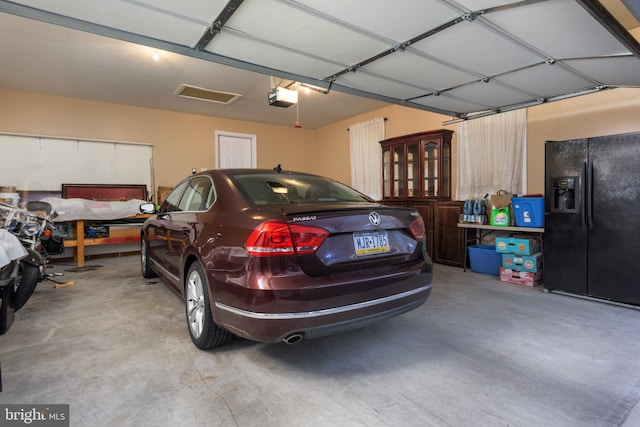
(484, 259)
(528, 211)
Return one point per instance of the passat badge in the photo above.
(374, 219)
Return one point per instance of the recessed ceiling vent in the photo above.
(208, 95)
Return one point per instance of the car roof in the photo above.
(235, 171)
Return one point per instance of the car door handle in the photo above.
(211, 240)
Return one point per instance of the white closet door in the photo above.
(235, 150)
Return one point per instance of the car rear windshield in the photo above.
(275, 188)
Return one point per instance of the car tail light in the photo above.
(278, 238)
(417, 229)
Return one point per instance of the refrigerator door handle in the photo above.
(583, 199)
(590, 195)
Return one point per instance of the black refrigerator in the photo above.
(592, 217)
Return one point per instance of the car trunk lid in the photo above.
(358, 237)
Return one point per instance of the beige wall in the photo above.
(184, 141)
(605, 113)
(331, 148)
(180, 141)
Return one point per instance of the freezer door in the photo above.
(614, 220)
(565, 233)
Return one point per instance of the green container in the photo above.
(500, 216)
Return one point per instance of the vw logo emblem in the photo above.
(374, 219)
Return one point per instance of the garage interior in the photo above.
(479, 352)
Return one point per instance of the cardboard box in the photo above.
(512, 245)
(525, 278)
(532, 263)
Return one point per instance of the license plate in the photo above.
(373, 242)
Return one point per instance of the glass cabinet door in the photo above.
(398, 171)
(446, 169)
(431, 169)
(386, 173)
(413, 170)
(417, 167)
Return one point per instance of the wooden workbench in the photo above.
(129, 235)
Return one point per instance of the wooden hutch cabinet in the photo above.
(416, 172)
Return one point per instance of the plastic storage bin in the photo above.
(484, 259)
(528, 211)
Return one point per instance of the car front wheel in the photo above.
(147, 272)
(204, 332)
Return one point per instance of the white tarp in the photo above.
(72, 209)
(10, 248)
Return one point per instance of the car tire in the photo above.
(147, 272)
(204, 332)
(26, 282)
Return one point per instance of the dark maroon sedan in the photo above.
(283, 256)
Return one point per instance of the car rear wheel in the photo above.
(204, 332)
(147, 272)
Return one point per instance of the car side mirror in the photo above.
(148, 208)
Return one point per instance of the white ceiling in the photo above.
(462, 59)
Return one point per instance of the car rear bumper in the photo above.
(292, 326)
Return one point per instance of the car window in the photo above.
(274, 188)
(172, 201)
(198, 195)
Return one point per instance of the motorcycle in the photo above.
(33, 226)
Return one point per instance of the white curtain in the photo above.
(491, 154)
(366, 157)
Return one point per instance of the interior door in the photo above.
(615, 218)
(235, 150)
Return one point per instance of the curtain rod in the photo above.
(384, 118)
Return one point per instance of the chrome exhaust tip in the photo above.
(293, 338)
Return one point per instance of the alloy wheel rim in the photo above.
(195, 304)
(143, 254)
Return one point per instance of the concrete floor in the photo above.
(479, 353)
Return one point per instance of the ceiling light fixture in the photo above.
(319, 89)
(156, 55)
